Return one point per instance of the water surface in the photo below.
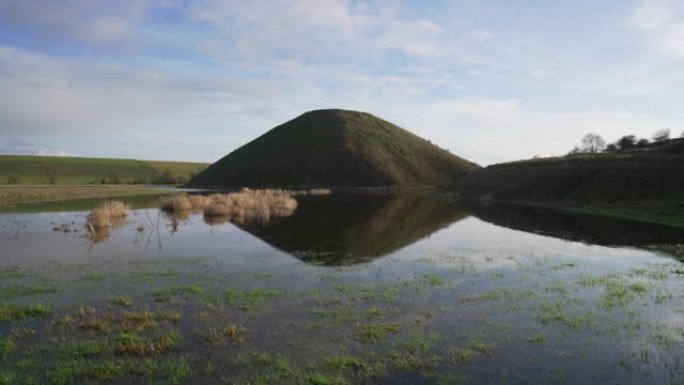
(353, 288)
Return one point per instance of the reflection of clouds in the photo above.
(468, 260)
(487, 246)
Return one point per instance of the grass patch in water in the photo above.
(176, 290)
(509, 295)
(619, 293)
(14, 291)
(7, 347)
(343, 363)
(144, 369)
(121, 301)
(12, 312)
(433, 280)
(250, 299)
(132, 344)
(90, 319)
(375, 332)
(557, 312)
(87, 349)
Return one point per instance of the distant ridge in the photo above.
(337, 148)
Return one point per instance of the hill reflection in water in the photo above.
(344, 229)
(590, 229)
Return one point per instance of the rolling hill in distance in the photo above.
(336, 148)
(37, 170)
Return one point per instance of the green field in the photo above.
(38, 170)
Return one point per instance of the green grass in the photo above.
(121, 301)
(7, 347)
(249, 299)
(14, 291)
(74, 198)
(337, 148)
(176, 290)
(40, 170)
(376, 332)
(12, 312)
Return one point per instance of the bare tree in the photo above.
(592, 143)
(661, 135)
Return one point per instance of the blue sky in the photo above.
(491, 81)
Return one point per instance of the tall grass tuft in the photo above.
(102, 218)
(176, 204)
(251, 205)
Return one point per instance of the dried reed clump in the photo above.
(198, 202)
(102, 218)
(248, 205)
(176, 204)
(242, 206)
(185, 203)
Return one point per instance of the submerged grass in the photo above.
(13, 312)
(249, 299)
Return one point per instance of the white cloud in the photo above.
(53, 152)
(42, 94)
(313, 29)
(492, 130)
(662, 21)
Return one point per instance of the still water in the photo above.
(352, 288)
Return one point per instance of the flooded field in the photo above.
(351, 288)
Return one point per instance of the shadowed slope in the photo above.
(336, 148)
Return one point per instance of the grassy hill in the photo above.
(336, 148)
(647, 185)
(76, 171)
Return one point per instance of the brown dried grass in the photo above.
(240, 207)
(249, 205)
(102, 218)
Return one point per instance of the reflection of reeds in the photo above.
(245, 205)
(316, 191)
(109, 214)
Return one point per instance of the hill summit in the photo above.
(336, 148)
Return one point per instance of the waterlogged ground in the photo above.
(401, 291)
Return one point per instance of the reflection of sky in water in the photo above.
(29, 238)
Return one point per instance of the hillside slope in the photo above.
(645, 185)
(336, 148)
(26, 169)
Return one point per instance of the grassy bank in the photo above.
(38, 170)
(646, 186)
(12, 196)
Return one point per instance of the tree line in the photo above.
(594, 144)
